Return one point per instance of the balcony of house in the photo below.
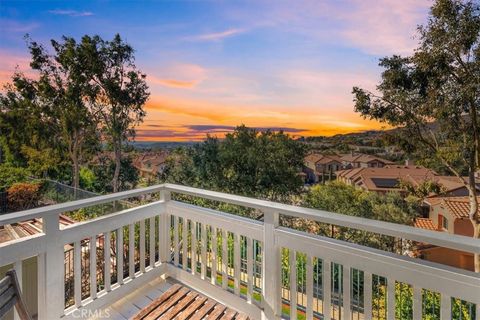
(118, 265)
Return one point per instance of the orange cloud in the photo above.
(172, 83)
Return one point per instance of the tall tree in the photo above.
(119, 92)
(434, 96)
(64, 84)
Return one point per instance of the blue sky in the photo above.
(211, 65)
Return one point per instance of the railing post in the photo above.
(271, 267)
(164, 230)
(51, 270)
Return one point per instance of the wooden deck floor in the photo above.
(130, 306)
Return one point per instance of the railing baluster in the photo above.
(77, 269)
(224, 259)
(292, 259)
(131, 250)
(236, 262)
(176, 244)
(152, 242)
(346, 292)
(93, 267)
(184, 244)
(367, 286)
(327, 288)
(390, 299)
(309, 290)
(417, 302)
(204, 252)
(249, 270)
(17, 266)
(194, 247)
(164, 222)
(214, 255)
(142, 246)
(107, 260)
(120, 255)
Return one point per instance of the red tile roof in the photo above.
(424, 223)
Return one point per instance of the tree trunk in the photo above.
(76, 173)
(118, 158)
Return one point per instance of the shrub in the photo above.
(22, 196)
(10, 175)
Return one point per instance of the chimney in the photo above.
(409, 162)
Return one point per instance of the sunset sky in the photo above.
(214, 65)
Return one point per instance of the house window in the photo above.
(445, 223)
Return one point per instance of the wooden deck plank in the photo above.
(180, 306)
(206, 308)
(173, 289)
(217, 312)
(229, 315)
(191, 308)
(161, 309)
(125, 308)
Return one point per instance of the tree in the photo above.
(104, 169)
(64, 84)
(247, 162)
(119, 92)
(433, 95)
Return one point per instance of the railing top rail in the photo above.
(444, 239)
(268, 207)
(74, 205)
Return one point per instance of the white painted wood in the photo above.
(151, 250)
(347, 314)
(236, 262)
(22, 248)
(218, 219)
(18, 267)
(93, 267)
(204, 252)
(327, 288)
(270, 266)
(367, 294)
(184, 243)
(224, 259)
(131, 250)
(427, 275)
(142, 245)
(194, 247)
(292, 258)
(108, 261)
(77, 270)
(214, 255)
(390, 299)
(446, 307)
(396, 230)
(417, 302)
(249, 270)
(120, 255)
(176, 241)
(309, 289)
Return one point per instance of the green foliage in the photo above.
(433, 95)
(341, 198)
(104, 171)
(88, 180)
(40, 162)
(248, 162)
(10, 175)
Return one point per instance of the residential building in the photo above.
(450, 215)
(360, 160)
(150, 164)
(321, 167)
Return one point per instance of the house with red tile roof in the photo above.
(321, 167)
(451, 215)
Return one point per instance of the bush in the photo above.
(10, 175)
(22, 196)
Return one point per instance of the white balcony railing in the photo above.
(235, 260)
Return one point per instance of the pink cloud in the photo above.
(216, 36)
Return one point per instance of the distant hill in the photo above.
(160, 144)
